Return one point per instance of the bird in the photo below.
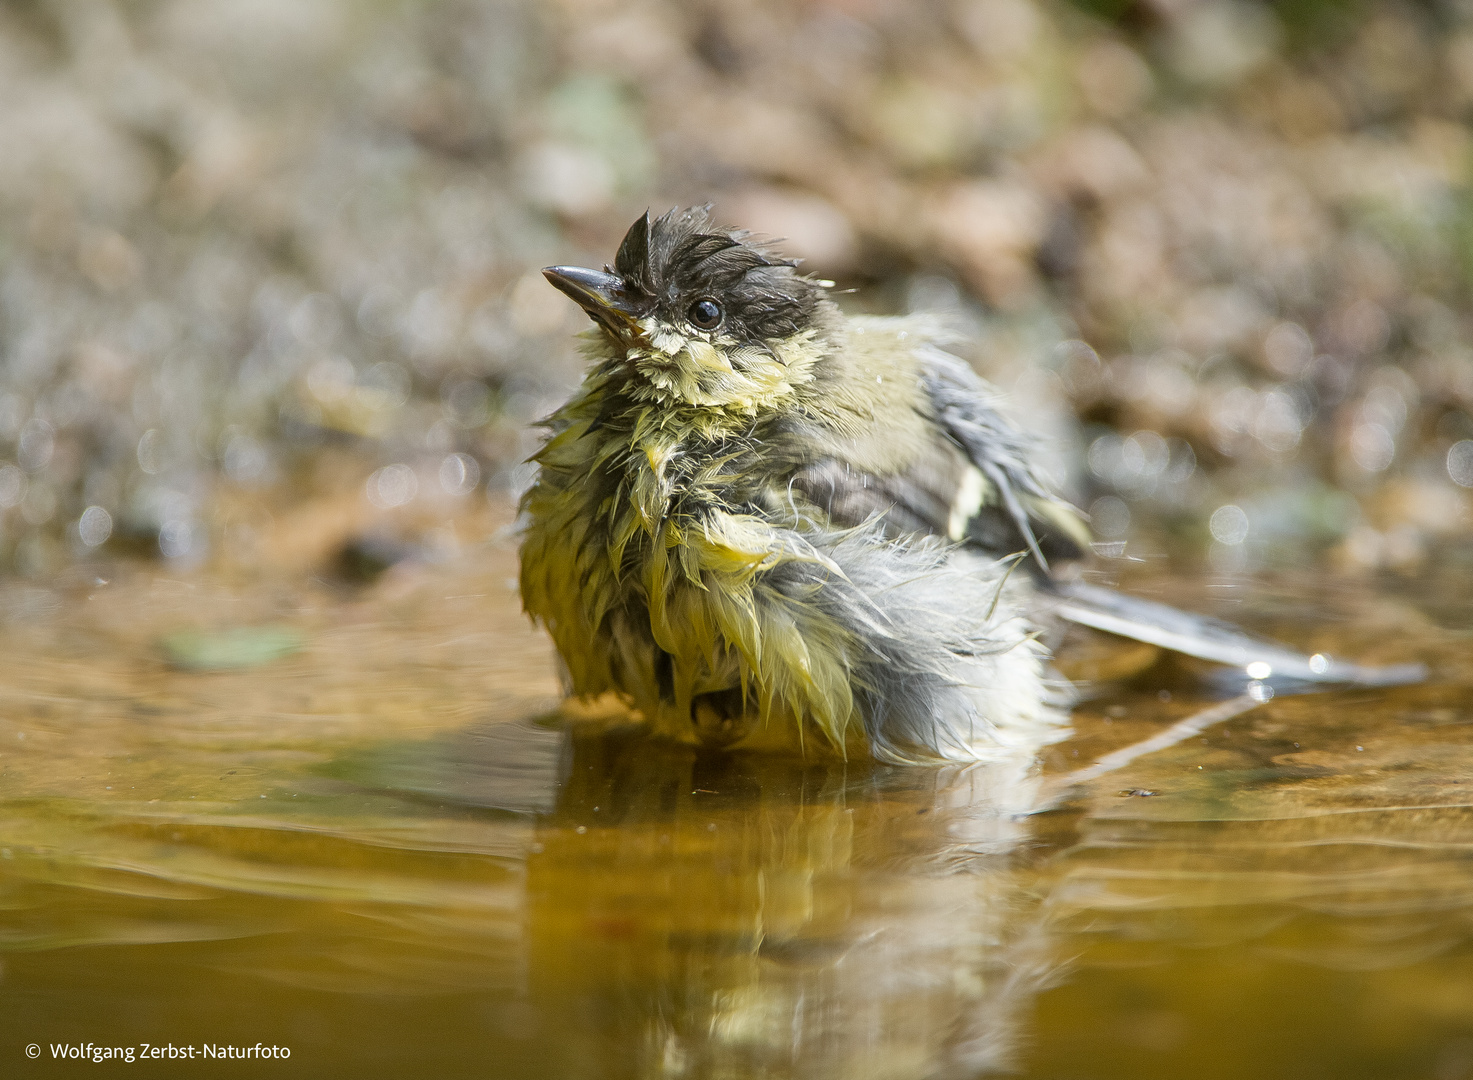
(761, 522)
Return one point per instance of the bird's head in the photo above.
(703, 316)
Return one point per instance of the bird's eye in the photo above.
(705, 313)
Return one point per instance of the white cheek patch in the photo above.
(968, 500)
(664, 337)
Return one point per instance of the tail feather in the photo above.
(1217, 641)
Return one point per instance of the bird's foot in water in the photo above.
(721, 717)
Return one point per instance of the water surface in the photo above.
(353, 823)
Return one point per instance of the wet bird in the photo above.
(760, 521)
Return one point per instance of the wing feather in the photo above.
(1018, 511)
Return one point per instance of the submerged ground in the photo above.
(348, 821)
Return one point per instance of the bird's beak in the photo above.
(604, 296)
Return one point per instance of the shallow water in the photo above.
(353, 824)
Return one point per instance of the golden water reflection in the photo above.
(385, 851)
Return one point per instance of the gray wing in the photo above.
(1017, 510)
(976, 482)
(915, 501)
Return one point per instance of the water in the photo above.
(352, 824)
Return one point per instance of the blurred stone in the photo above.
(1458, 53)
(256, 42)
(1288, 349)
(243, 240)
(1403, 547)
(1302, 106)
(568, 179)
(1220, 41)
(803, 225)
(1228, 318)
(991, 230)
(1000, 29)
(1093, 162)
(920, 123)
(222, 155)
(109, 261)
(1362, 328)
(536, 308)
(1390, 57)
(1113, 78)
(1429, 506)
(363, 559)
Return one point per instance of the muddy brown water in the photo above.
(353, 825)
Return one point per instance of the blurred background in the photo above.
(269, 289)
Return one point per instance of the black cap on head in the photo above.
(683, 269)
(680, 258)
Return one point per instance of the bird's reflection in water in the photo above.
(525, 901)
(696, 914)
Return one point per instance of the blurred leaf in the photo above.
(238, 647)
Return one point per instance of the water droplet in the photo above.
(1372, 447)
(150, 451)
(95, 526)
(1460, 463)
(1109, 518)
(12, 486)
(459, 474)
(36, 444)
(1229, 524)
(178, 538)
(391, 486)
